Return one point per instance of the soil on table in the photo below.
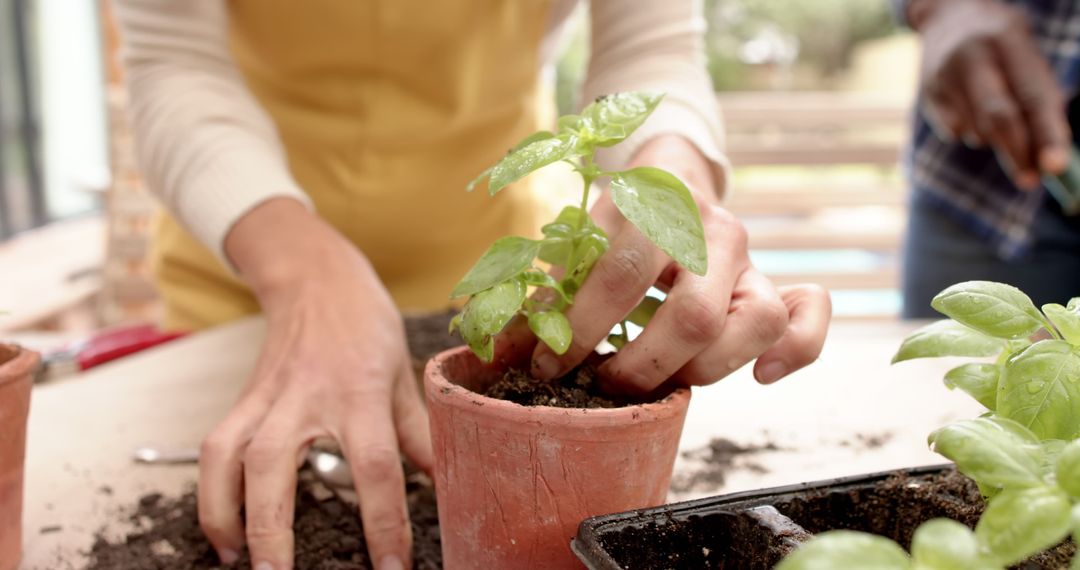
(580, 388)
(894, 508)
(429, 335)
(329, 533)
(715, 460)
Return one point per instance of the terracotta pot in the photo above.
(514, 482)
(17, 365)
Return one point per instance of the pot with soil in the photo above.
(514, 481)
(17, 366)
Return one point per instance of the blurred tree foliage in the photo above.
(824, 33)
(818, 35)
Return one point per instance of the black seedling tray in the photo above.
(756, 529)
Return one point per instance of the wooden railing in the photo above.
(818, 140)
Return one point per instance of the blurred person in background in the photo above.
(313, 156)
(992, 120)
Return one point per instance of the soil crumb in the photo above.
(869, 440)
(329, 534)
(580, 388)
(717, 458)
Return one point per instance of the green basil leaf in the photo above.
(1041, 390)
(487, 312)
(455, 322)
(644, 311)
(999, 310)
(570, 124)
(557, 244)
(1075, 522)
(613, 118)
(533, 156)
(847, 549)
(992, 451)
(944, 544)
(1021, 522)
(980, 381)
(537, 136)
(1051, 451)
(661, 206)
(589, 250)
(537, 278)
(505, 258)
(475, 181)
(947, 338)
(1066, 319)
(553, 329)
(1067, 469)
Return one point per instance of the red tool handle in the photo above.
(116, 343)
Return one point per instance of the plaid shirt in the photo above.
(969, 184)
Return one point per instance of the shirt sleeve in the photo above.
(204, 145)
(656, 45)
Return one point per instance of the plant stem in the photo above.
(588, 175)
(625, 333)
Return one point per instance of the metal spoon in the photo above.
(329, 467)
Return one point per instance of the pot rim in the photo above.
(438, 386)
(22, 366)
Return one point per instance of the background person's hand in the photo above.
(334, 364)
(710, 325)
(984, 81)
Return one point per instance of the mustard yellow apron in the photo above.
(386, 108)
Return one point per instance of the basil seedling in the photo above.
(1024, 453)
(654, 200)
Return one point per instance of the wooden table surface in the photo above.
(849, 413)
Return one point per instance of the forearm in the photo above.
(657, 46)
(205, 147)
(281, 243)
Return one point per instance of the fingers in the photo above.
(1040, 98)
(809, 311)
(372, 452)
(999, 120)
(616, 285)
(949, 115)
(221, 478)
(411, 421)
(690, 319)
(756, 319)
(270, 462)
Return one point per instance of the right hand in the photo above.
(984, 81)
(334, 364)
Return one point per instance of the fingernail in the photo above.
(391, 563)
(228, 556)
(264, 566)
(545, 367)
(771, 372)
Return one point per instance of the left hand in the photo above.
(710, 325)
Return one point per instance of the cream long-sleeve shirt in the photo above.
(210, 152)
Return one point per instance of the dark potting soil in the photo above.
(328, 531)
(715, 460)
(893, 508)
(580, 388)
(429, 335)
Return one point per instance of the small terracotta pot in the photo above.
(513, 482)
(17, 365)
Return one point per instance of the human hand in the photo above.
(710, 325)
(985, 82)
(334, 364)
